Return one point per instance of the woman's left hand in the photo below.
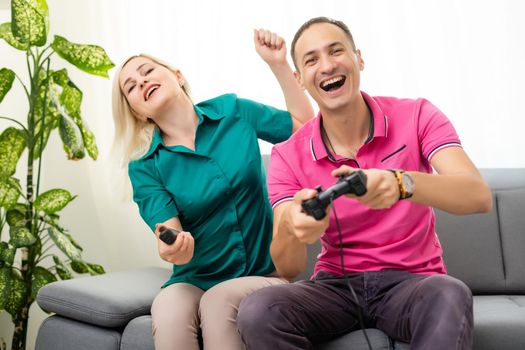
(179, 252)
(270, 46)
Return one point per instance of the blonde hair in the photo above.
(133, 136)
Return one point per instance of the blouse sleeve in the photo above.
(155, 203)
(271, 124)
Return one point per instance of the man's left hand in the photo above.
(382, 190)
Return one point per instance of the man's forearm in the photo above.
(288, 253)
(453, 193)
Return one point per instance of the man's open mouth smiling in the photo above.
(333, 83)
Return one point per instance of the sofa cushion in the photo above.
(499, 322)
(109, 300)
(58, 333)
(378, 340)
(137, 335)
(511, 207)
(472, 249)
(486, 250)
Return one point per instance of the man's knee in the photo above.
(259, 309)
(443, 291)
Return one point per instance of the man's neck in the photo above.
(347, 129)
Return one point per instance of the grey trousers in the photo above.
(429, 312)
(181, 313)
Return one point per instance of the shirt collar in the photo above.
(378, 126)
(202, 113)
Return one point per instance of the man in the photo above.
(390, 251)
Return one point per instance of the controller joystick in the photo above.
(354, 182)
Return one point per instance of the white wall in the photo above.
(464, 56)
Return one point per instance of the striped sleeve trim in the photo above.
(281, 200)
(443, 146)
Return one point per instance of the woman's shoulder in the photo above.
(219, 103)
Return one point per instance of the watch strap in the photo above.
(403, 193)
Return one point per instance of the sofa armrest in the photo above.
(109, 300)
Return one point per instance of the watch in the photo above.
(405, 183)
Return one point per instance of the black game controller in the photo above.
(168, 235)
(352, 183)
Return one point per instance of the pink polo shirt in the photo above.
(404, 134)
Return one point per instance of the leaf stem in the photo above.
(23, 85)
(15, 121)
(42, 127)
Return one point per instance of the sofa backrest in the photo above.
(486, 251)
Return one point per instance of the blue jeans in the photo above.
(429, 312)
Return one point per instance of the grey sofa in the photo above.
(487, 252)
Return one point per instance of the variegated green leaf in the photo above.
(7, 253)
(89, 141)
(71, 138)
(62, 270)
(90, 58)
(79, 266)
(41, 7)
(60, 77)
(29, 21)
(64, 244)
(12, 144)
(7, 34)
(12, 291)
(53, 200)
(7, 76)
(9, 192)
(21, 237)
(50, 120)
(96, 269)
(41, 277)
(72, 240)
(43, 139)
(16, 215)
(71, 98)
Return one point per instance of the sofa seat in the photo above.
(499, 322)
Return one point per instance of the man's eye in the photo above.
(309, 61)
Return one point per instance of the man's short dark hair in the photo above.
(315, 20)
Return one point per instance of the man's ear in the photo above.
(299, 80)
(360, 60)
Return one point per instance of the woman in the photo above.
(197, 168)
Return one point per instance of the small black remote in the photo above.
(168, 235)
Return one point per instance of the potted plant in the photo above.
(30, 228)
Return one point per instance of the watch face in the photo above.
(408, 183)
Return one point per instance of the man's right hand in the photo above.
(178, 253)
(305, 227)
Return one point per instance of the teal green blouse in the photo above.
(218, 191)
